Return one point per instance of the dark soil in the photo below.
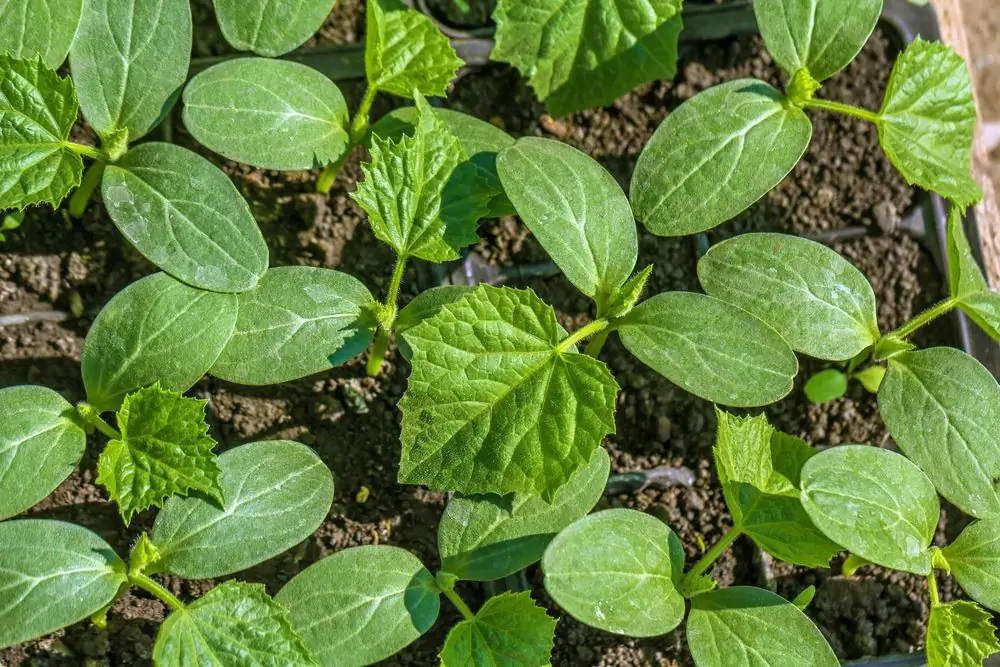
(352, 422)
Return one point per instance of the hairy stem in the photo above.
(92, 417)
(459, 603)
(386, 319)
(713, 554)
(845, 109)
(377, 355)
(140, 580)
(597, 342)
(81, 196)
(595, 327)
(89, 151)
(329, 174)
(925, 317)
(933, 589)
(360, 125)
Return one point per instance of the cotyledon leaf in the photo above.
(270, 28)
(974, 559)
(509, 630)
(43, 28)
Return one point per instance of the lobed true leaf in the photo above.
(509, 630)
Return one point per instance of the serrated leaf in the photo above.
(745, 627)
(155, 330)
(41, 442)
(927, 120)
(817, 300)
(233, 624)
(52, 574)
(129, 61)
(361, 605)
(629, 294)
(819, 36)
(273, 114)
(495, 404)
(487, 537)
(974, 559)
(43, 28)
(941, 404)
(710, 348)
(702, 167)
(605, 566)
(427, 304)
(825, 386)
(299, 320)
(186, 216)
(509, 630)
(268, 28)
(404, 51)
(576, 210)
(960, 634)
(37, 112)
(276, 493)
(143, 555)
(874, 503)
(579, 54)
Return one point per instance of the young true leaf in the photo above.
(607, 565)
(943, 403)
(874, 503)
(233, 624)
(710, 348)
(427, 304)
(361, 605)
(129, 60)
(579, 54)
(164, 450)
(825, 386)
(37, 112)
(186, 216)
(52, 574)
(405, 51)
(510, 630)
(496, 404)
(417, 199)
(819, 36)
(41, 442)
(960, 634)
(967, 282)
(270, 28)
(576, 210)
(274, 114)
(974, 559)
(155, 330)
(984, 310)
(745, 627)
(276, 493)
(43, 28)
(871, 377)
(817, 300)
(299, 320)
(702, 167)
(930, 142)
(486, 537)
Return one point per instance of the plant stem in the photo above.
(140, 580)
(89, 151)
(359, 126)
(597, 342)
(846, 109)
(81, 196)
(932, 587)
(924, 317)
(594, 327)
(392, 297)
(386, 319)
(92, 416)
(377, 355)
(716, 551)
(329, 175)
(459, 603)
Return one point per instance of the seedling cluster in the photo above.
(502, 407)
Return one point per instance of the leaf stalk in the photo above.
(456, 599)
(81, 196)
(139, 580)
(92, 417)
(933, 589)
(386, 317)
(595, 327)
(923, 318)
(89, 151)
(713, 554)
(597, 342)
(846, 109)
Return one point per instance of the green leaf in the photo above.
(52, 574)
(143, 555)
(233, 624)
(984, 310)
(702, 167)
(890, 346)
(43, 28)
(277, 493)
(818, 35)
(41, 442)
(37, 111)
(405, 51)
(974, 559)
(788, 455)
(874, 503)
(927, 120)
(129, 61)
(965, 277)
(606, 566)
(273, 114)
(510, 630)
(871, 377)
(817, 300)
(164, 450)
(579, 54)
(943, 405)
(417, 197)
(629, 294)
(155, 330)
(576, 210)
(299, 320)
(268, 28)
(361, 605)
(425, 305)
(746, 627)
(826, 386)
(496, 404)
(710, 348)
(960, 634)
(186, 216)
(486, 537)
(803, 599)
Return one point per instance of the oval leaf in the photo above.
(974, 559)
(276, 494)
(825, 386)
(710, 348)
(298, 321)
(702, 167)
(607, 565)
(52, 574)
(155, 330)
(509, 630)
(270, 28)
(43, 28)
(873, 502)
(361, 605)
(941, 404)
